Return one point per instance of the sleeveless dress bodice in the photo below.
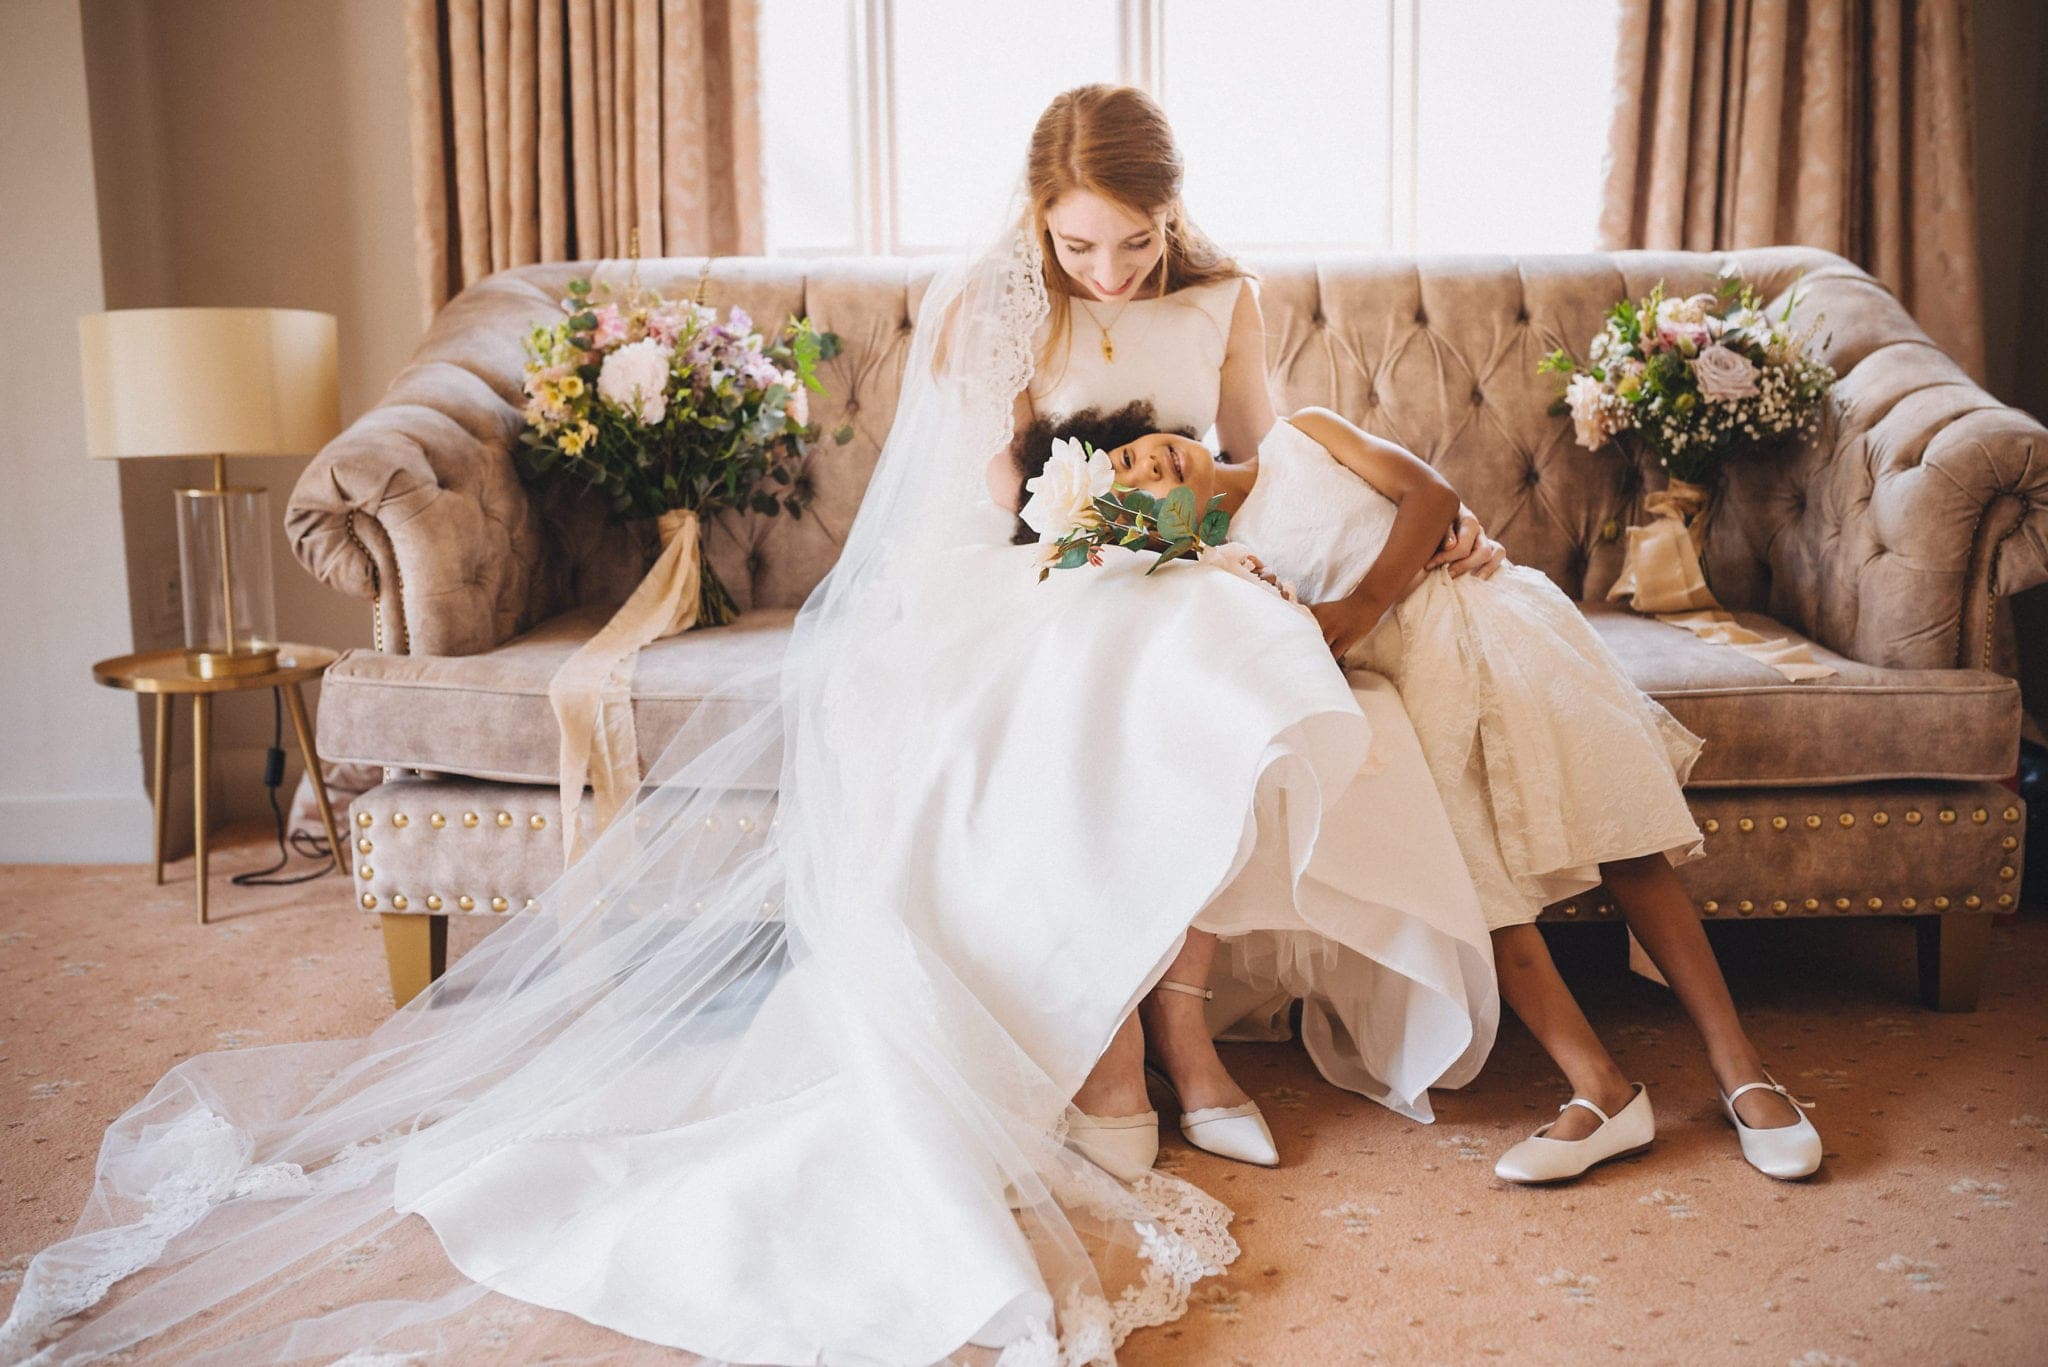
(1312, 521)
(1169, 353)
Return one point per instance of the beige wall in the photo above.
(252, 152)
(70, 759)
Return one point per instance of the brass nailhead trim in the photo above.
(2007, 873)
(531, 903)
(369, 901)
(1841, 904)
(1779, 823)
(2011, 814)
(1847, 819)
(499, 904)
(1710, 907)
(363, 846)
(466, 902)
(1941, 904)
(1880, 819)
(1980, 816)
(1745, 824)
(2011, 842)
(1973, 901)
(504, 818)
(1810, 904)
(433, 901)
(1745, 906)
(1908, 903)
(2005, 899)
(400, 819)
(366, 873)
(469, 818)
(537, 821)
(364, 819)
(1874, 904)
(1913, 818)
(745, 824)
(436, 820)
(1712, 827)
(398, 901)
(1812, 823)
(1778, 907)
(1947, 817)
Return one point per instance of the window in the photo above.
(1356, 125)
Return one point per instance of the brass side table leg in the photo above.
(160, 781)
(202, 736)
(297, 703)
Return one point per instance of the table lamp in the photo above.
(214, 382)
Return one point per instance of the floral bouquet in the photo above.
(1698, 380)
(1695, 378)
(1078, 509)
(670, 414)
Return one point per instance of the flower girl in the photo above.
(1557, 772)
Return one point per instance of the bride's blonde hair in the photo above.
(1114, 140)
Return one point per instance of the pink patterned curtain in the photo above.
(552, 130)
(1843, 124)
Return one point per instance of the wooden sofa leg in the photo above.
(1952, 953)
(416, 951)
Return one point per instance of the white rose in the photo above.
(1724, 375)
(1063, 497)
(635, 378)
(1591, 421)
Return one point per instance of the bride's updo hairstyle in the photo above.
(1103, 431)
(1114, 140)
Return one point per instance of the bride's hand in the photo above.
(1347, 621)
(1467, 549)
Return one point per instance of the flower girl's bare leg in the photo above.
(1665, 921)
(1530, 983)
(1177, 1031)
(1117, 1085)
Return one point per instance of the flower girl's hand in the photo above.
(1347, 621)
(1467, 549)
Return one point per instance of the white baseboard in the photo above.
(86, 829)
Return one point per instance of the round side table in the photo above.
(163, 673)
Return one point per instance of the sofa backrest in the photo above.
(1436, 353)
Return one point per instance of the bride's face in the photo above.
(1106, 249)
(1165, 461)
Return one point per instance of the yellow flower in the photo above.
(571, 387)
(572, 439)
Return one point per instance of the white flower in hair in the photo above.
(1063, 497)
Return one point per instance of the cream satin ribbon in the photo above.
(1662, 578)
(592, 692)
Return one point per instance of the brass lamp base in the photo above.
(225, 664)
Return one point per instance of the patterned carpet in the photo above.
(1924, 1241)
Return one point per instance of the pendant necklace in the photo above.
(1108, 347)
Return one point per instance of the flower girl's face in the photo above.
(1107, 249)
(1164, 461)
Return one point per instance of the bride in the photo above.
(784, 1068)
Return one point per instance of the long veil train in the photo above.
(777, 1071)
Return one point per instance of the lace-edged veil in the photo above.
(723, 957)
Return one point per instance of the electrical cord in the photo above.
(303, 844)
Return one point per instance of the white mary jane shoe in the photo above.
(1124, 1146)
(1539, 1159)
(1786, 1152)
(1234, 1132)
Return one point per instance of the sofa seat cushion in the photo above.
(1866, 723)
(488, 716)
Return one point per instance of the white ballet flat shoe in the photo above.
(1538, 1159)
(1238, 1132)
(1124, 1146)
(1786, 1152)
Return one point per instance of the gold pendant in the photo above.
(1108, 349)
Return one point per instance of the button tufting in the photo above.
(1477, 398)
(1421, 317)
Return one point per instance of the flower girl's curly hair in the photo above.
(1103, 431)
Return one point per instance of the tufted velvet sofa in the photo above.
(1890, 542)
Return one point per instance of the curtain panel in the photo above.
(1843, 124)
(554, 130)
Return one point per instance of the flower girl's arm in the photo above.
(1004, 476)
(1424, 507)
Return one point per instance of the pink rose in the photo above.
(1724, 375)
(611, 327)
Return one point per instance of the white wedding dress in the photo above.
(778, 1071)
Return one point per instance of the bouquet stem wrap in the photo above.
(1662, 577)
(592, 691)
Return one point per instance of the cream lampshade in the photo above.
(216, 383)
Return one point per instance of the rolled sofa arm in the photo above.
(1895, 536)
(417, 505)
